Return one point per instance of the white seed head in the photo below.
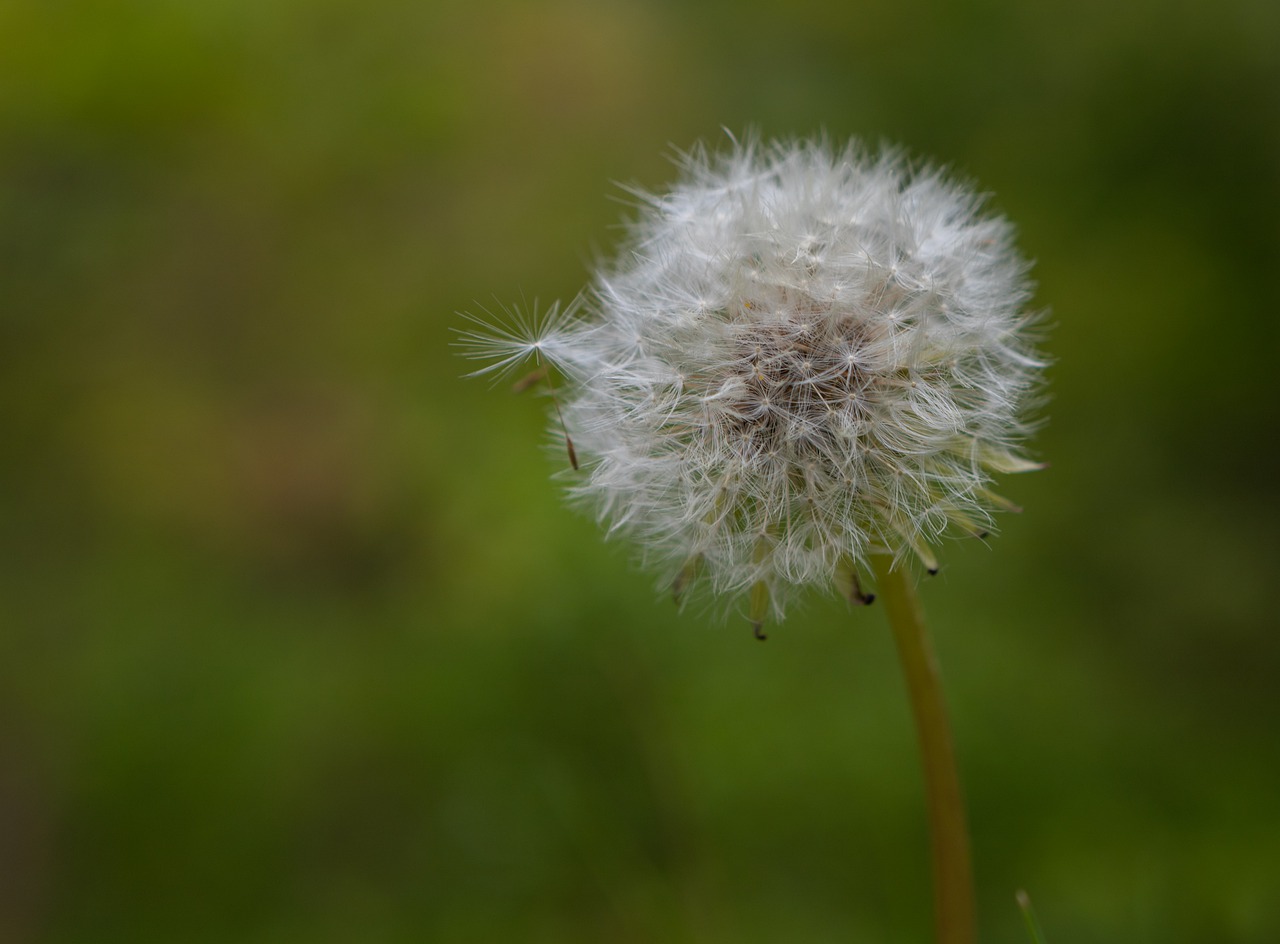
(801, 356)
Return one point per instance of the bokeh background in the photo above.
(297, 642)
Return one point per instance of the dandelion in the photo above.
(805, 364)
(802, 357)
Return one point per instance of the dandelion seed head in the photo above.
(803, 355)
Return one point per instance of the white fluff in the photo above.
(801, 356)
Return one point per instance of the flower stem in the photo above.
(952, 870)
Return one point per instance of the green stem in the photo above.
(952, 871)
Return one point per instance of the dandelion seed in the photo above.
(801, 357)
(512, 338)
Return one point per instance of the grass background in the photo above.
(296, 640)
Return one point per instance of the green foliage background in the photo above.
(297, 642)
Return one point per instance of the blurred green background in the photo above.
(298, 642)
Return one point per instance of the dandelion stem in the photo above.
(952, 870)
